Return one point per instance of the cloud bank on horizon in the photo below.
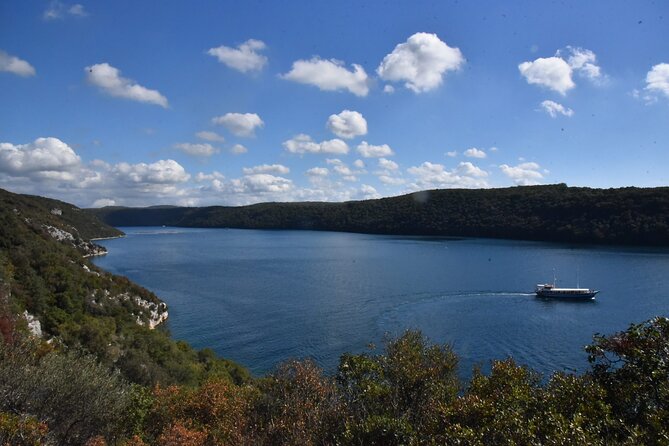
(342, 119)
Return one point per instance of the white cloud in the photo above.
(261, 183)
(240, 124)
(304, 144)
(161, 172)
(329, 75)
(556, 72)
(389, 89)
(342, 169)
(387, 164)
(524, 173)
(370, 151)
(238, 149)
(102, 202)
(205, 149)
(210, 136)
(584, 62)
(554, 109)
(368, 192)
(279, 169)
(468, 169)
(58, 10)
(13, 64)
(109, 80)
(452, 154)
(420, 62)
(391, 180)
(657, 80)
(475, 153)
(493, 149)
(244, 58)
(318, 172)
(41, 158)
(431, 175)
(347, 124)
(215, 175)
(550, 72)
(360, 164)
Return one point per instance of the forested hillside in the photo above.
(636, 216)
(54, 290)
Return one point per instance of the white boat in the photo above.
(553, 291)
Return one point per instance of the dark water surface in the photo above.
(261, 297)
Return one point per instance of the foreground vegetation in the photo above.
(408, 394)
(633, 216)
(80, 365)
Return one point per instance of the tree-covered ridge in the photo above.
(59, 214)
(638, 216)
(49, 287)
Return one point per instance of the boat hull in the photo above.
(556, 294)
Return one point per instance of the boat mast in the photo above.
(554, 278)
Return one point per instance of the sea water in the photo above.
(262, 297)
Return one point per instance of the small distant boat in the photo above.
(551, 290)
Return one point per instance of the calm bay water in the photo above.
(261, 297)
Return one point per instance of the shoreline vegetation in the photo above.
(552, 213)
(79, 365)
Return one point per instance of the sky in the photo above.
(137, 103)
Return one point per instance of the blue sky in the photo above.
(213, 102)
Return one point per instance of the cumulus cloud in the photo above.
(556, 72)
(550, 72)
(347, 124)
(342, 169)
(14, 65)
(261, 183)
(204, 150)
(523, 174)
(304, 144)
(583, 61)
(215, 175)
(109, 80)
(468, 169)
(161, 172)
(370, 151)
(329, 75)
(238, 149)
(553, 109)
(475, 153)
(318, 172)
(279, 169)
(58, 10)
(210, 136)
(360, 164)
(368, 192)
(657, 81)
(240, 124)
(102, 202)
(388, 89)
(421, 62)
(387, 164)
(432, 175)
(244, 58)
(452, 154)
(41, 158)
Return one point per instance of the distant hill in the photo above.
(632, 216)
(50, 289)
